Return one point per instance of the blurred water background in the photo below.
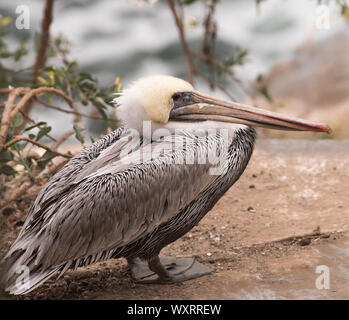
(122, 38)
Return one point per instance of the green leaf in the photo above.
(236, 59)
(47, 157)
(79, 134)
(85, 76)
(57, 79)
(100, 107)
(71, 65)
(41, 123)
(7, 170)
(6, 155)
(264, 91)
(42, 132)
(188, 2)
(20, 52)
(18, 120)
(345, 12)
(18, 146)
(259, 78)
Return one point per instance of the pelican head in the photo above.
(171, 102)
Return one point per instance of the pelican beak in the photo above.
(197, 106)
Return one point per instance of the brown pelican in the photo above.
(142, 186)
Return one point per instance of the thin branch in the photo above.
(211, 60)
(51, 170)
(40, 127)
(5, 90)
(213, 83)
(228, 71)
(51, 106)
(210, 26)
(35, 92)
(179, 23)
(63, 138)
(206, 52)
(41, 57)
(22, 190)
(6, 115)
(22, 138)
(11, 109)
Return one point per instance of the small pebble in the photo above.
(8, 211)
(250, 209)
(305, 242)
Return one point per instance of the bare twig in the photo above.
(41, 57)
(206, 51)
(32, 121)
(6, 115)
(37, 91)
(19, 192)
(213, 83)
(51, 170)
(208, 41)
(51, 106)
(211, 60)
(11, 109)
(5, 91)
(27, 185)
(22, 138)
(63, 138)
(180, 26)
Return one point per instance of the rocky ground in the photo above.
(286, 216)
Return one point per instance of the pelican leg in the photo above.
(165, 269)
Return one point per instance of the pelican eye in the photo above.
(182, 99)
(176, 96)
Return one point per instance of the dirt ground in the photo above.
(287, 215)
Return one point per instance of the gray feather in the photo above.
(111, 197)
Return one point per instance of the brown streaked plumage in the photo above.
(129, 195)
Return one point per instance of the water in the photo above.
(118, 38)
(301, 283)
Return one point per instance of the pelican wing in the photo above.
(113, 200)
(67, 174)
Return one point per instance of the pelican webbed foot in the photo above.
(165, 269)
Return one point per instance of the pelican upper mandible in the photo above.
(142, 186)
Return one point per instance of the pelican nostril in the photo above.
(187, 99)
